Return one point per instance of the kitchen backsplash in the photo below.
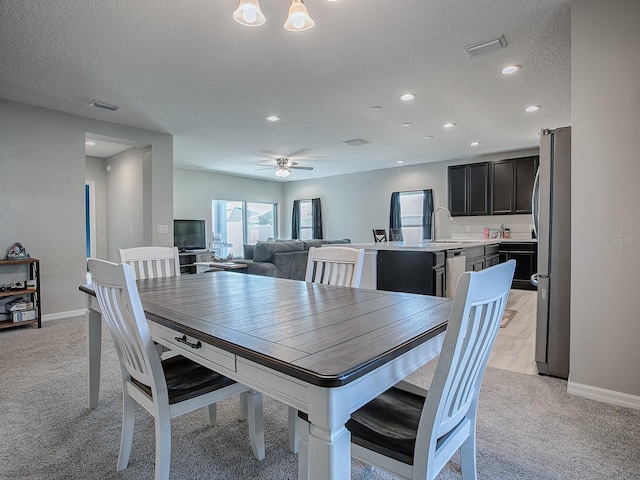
(472, 227)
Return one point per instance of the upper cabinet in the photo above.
(492, 188)
(469, 189)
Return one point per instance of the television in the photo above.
(189, 235)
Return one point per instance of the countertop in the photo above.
(440, 245)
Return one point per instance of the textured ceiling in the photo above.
(188, 69)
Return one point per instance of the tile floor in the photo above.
(515, 344)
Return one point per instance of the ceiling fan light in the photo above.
(298, 19)
(282, 172)
(248, 13)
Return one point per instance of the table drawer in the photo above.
(202, 353)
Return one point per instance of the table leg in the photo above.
(94, 339)
(329, 453)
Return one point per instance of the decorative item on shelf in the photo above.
(17, 251)
(507, 233)
(228, 258)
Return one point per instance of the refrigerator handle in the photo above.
(535, 203)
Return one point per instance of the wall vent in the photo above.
(105, 106)
(486, 46)
(356, 142)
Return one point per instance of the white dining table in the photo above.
(319, 349)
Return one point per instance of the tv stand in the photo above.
(188, 259)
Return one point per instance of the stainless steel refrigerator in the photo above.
(551, 207)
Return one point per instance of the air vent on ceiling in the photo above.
(486, 46)
(105, 106)
(356, 142)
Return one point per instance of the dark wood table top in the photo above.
(324, 335)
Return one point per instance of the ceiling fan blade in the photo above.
(302, 168)
(266, 165)
(298, 153)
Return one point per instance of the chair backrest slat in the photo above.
(151, 262)
(340, 266)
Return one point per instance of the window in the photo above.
(238, 222)
(306, 220)
(408, 212)
(411, 215)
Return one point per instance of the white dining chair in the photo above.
(411, 432)
(341, 266)
(151, 262)
(165, 388)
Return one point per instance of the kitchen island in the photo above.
(421, 267)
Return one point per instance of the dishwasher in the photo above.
(455, 266)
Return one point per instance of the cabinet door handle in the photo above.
(184, 340)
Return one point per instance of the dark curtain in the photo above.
(427, 211)
(316, 214)
(295, 220)
(395, 218)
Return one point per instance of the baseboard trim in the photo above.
(61, 315)
(603, 395)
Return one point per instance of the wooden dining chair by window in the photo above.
(151, 262)
(395, 235)
(165, 388)
(379, 235)
(340, 266)
(411, 432)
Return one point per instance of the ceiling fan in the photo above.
(283, 166)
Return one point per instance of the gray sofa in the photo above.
(282, 258)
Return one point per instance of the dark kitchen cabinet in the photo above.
(439, 279)
(492, 188)
(512, 185)
(526, 256)
(469, 189)
(481, 257)
(410, 271)
(502, 187)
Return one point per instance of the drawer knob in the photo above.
(184, 340)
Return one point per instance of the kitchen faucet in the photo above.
(434, 229)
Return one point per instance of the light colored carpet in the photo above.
(528, 426)
(507, 317)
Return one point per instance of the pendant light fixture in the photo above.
(298, 19)
(248, 13)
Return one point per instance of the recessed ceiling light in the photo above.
(428, 136)
(407, 96)
(273, 118)
(89, 143)
(376, 108)
(511, 69)
(406, 124)
(532, 108)
(400, 161)
(474, 144)
(449, 125)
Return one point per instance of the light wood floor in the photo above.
(515, 345)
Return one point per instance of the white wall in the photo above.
(605, 97)
(195, 190)
(354, 204)
(125, 192)
(42, 177)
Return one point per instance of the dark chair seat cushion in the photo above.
(187, 379)
(388, 424)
